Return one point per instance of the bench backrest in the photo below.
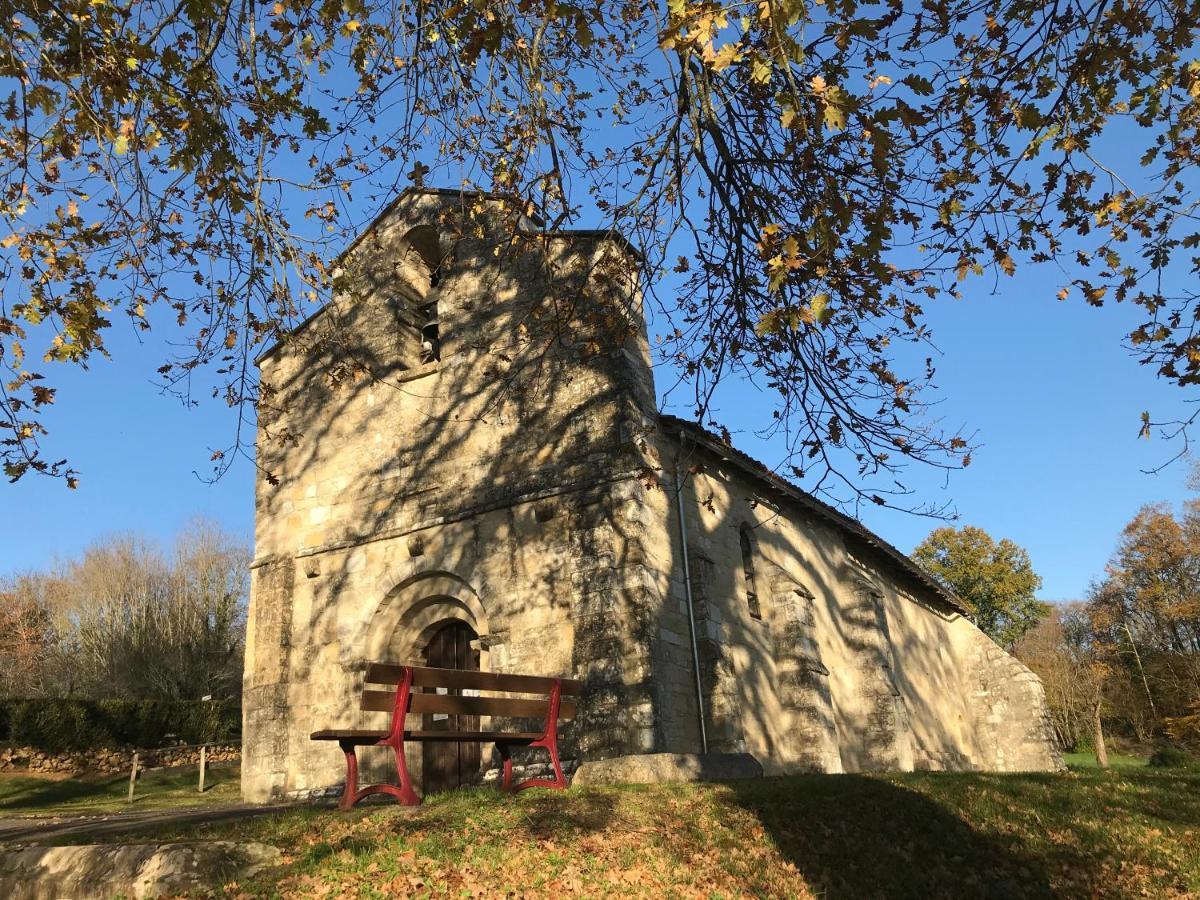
(429, 679)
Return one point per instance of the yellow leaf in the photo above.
(760, 70)
(11, 241)
(837, 108)
(725, 57)
(353, 25)
(818, 84)
(821, 309)
(121, 145)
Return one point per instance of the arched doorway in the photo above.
(448, 765)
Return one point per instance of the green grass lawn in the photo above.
(1088, 833)
(23, 795)
(1115, 761)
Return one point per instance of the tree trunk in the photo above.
(1101, 751)
(1141, 671)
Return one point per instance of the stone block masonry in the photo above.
(517, 479)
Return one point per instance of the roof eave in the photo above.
(760, 472)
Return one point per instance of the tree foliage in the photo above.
(1131, 652)
(803, 179)
(1062, 651)
(1146, 615)
(125, 621)
(995, 579)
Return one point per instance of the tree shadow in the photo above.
(853, 836)
(41, 793)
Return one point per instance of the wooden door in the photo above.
(447, 765)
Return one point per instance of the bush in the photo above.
(1086, 744)
(1167, 757)
(68, 724)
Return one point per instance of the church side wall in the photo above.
(852, 666)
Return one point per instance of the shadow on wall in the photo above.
(472, 410)
(853, 836)
(419, 424)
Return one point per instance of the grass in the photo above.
(156, 789)
(1086, 833)
(1115, 761)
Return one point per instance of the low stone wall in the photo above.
(111, 759)
(127, 870)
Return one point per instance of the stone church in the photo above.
(462, 464)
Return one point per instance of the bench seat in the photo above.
(363, 738)
(424, 690)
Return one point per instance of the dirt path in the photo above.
(36, 829)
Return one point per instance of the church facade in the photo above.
(462, 463)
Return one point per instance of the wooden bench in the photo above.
(401, 698)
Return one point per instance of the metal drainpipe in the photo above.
(687, 587)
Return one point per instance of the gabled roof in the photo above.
(806, 501)
(566, 234)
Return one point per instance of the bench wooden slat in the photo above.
(360, 736)
(459, 679)
(385, 701)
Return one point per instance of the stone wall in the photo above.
(497, 485)
(850, 664)
(521, 483)
(111, 759)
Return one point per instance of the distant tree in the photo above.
(126, 620)
(1062, 651)
(27, 635)
(995, 579)
(171, 627)
(1146, 611)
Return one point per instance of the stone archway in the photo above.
(410, 615)
(415, 608)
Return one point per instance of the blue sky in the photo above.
(1054, 397)
(1057, 403)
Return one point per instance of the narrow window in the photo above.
(748, 569)
(421, 266)
(431, 345)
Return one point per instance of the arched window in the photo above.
(421, 267)
(747, 541)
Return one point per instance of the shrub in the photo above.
(1168, 757)
(57, 724)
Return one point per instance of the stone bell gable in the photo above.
(466, 436)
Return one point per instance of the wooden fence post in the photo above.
(133, 775)
(203, 761)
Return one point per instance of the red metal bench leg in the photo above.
(407, 795)
(395, 739)
(506, 757)
(549, 740)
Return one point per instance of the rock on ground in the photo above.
(652, 768)
(126, 870)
